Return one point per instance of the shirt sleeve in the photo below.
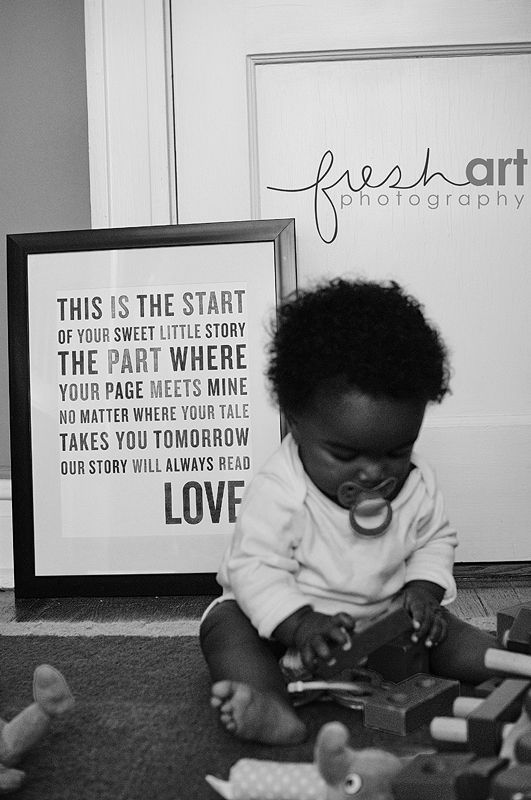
(260, 568)
(435, 541)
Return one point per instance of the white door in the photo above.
(424, 106)
(280, 94)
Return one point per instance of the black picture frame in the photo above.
(86, 273)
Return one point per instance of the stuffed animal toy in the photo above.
(365, 774)
(52, 697)
(338, 773)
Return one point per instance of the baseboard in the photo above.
(6, 535)
(466, 575)
(482, 572)
(7, 579)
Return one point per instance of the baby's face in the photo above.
(350, 436)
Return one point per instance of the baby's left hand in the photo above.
(420, 600)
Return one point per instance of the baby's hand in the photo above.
(317, 636)
(426, 612)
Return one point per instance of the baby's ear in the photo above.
(331, 753)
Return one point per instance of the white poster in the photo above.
(149, 411)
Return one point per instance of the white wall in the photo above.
(44, 172)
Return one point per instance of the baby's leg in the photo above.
(462, 654)
(247, 685)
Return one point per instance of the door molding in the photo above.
(359, 54)
(130, 112)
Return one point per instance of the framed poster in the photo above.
(139, 410)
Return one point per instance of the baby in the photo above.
(344, 520)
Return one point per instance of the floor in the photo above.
(479, 603)
(174, 616)
(96, 616)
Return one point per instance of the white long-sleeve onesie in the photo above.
(293, 546)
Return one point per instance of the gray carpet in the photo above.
(142, 726)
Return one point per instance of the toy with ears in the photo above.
(338, 773)
(52, 698)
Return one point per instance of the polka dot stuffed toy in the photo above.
(338, 773)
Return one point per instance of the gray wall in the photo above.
(44, 172)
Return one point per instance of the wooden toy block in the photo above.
(400, 659)
(492, 726)
(447, 776)
(508, 663)
(430, 777)
(485, 723)
(522, 748)
(474, 782)
(366, 642)
(505, 617)
(518, 637)
(498, 726)
(514, 627)
(517, 739)
(463, 705)
(402, 707)
(512, 784)
(488, 686)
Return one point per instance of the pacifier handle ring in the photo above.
(370, 532)
(350, 495)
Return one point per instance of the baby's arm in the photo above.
(422, 599)
(262, 569)
(261, 566)
(429, 579)
(313, 634)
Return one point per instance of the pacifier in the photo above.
(368, 505)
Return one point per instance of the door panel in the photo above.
(261, 94)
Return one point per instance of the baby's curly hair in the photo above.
(372, 336)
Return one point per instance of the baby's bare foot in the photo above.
(257, 716)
